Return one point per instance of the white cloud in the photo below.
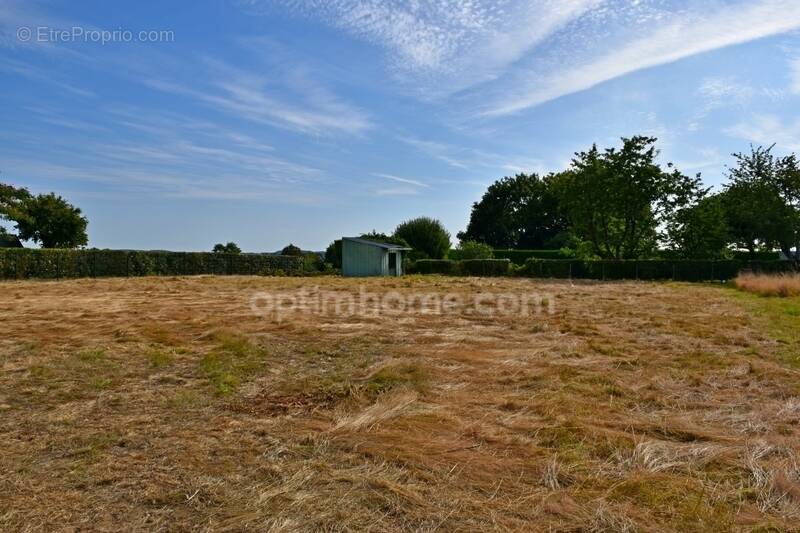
(675, 36)
(451, 43)
(767, 130)
(510, 55)
(719, 91)
(399, 179)
(794, 71)
(300, 104)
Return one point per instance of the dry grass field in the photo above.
(166, 404)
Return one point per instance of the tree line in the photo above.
(619, 203)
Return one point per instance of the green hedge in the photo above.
(467, 267)
(28, 263)
(518, 257)
(679, 270)
(485, 267)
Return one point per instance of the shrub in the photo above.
(471, 250)
(312, 262)
(426, 236)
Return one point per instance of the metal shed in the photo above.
(361, 257)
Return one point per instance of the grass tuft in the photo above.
(392, 376)
(781, 285)
(234, 359)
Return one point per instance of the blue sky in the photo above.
(268, 122)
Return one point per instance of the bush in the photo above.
(471, 250)
(426, 236)
(312, 262)
(60, 263)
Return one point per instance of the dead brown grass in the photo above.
(165, 404)
(783, 285)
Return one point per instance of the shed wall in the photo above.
(360, 259)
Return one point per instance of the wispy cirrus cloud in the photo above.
(511, 55)
(794, 73)
(302, 105)
(668, 37)
(399, 179)
(452, 44)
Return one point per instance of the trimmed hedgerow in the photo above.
(679, 270)
(485, 267)
(53, 264)
(434, 266)
(467, 267)
(648, 270)
(518, 257)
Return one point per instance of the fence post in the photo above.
(636, 268)
(58, 265)
(673, 271)
(127, 264)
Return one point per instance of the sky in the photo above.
(177, 125)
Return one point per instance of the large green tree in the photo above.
(51, 221)
(618, 201)
(763, 201)
(427, 236)
(701, 230)
(12, 203)
(517, 212)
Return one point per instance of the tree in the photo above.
(701, 230)
(51, 221)
(333, 254)
(617, 200)
(382, 237)
(764, 201)
(427, 236)
(291, 249)
(517, 212)
(12, 200)
(230, 248)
